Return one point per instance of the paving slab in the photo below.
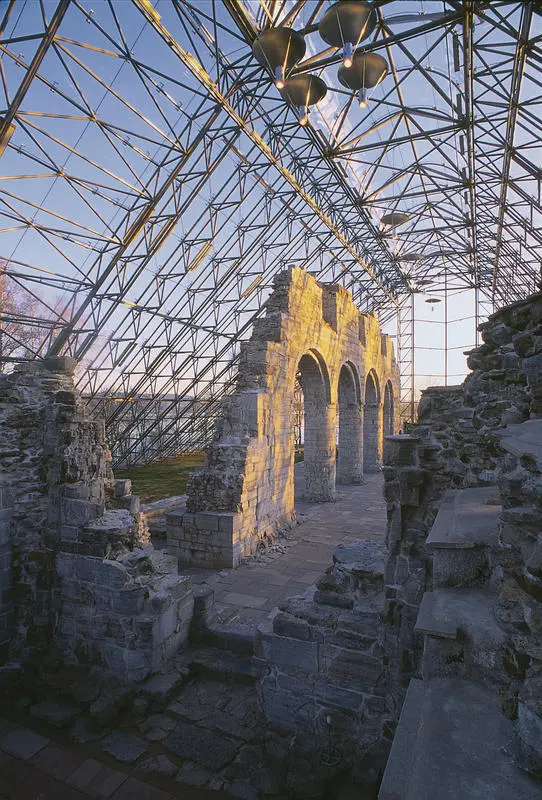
(134, 789)
(57, 760)
(22, 781)
(123, 746)
(452, 743)
(22, 743)
(430, 622)
(205, 748)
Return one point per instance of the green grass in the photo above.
(164, 478)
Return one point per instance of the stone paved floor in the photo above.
(34, 766)
(208, 719)
(251, 592)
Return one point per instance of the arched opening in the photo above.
(349, 461)
(317, 432)
(388, 410)
(371, 439)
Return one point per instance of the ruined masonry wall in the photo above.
(322, 674)
(79, 581)
(487, 432)
(5, 566)
(245, 493)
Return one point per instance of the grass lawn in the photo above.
(164, 478)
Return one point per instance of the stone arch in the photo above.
(371, 424)
(314, 330)
(388, 409)
(349, 457)
(319, 444)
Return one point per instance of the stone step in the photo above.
(461, 633)
(231, 637)
(464, 531)
(451, 743)
(221, 665)
(524, 440)
(432, 621)
(467, 518)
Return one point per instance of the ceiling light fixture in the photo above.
(345, 25)
(304, 91)
(279, 49)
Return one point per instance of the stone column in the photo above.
(320, 461)
(350, 461)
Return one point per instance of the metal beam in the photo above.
(33, 67)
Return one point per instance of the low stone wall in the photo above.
(322, 670)
(127, 616)
(79, 581)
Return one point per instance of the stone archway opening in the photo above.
(349, 440)
(371, 434)
(246, 491)
(318, 439)
(388, 410)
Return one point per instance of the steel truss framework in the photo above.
(154, 181)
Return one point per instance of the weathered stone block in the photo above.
(79, 512)
(206, 521)
(350, 667)
(289, 626)
(92, 570)
(460, 567)
(287, 709)
(290, 652)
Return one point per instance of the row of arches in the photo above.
(341, 445)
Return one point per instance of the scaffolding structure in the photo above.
(154, 180)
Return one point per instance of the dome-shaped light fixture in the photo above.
(304, 91)
(395, 218)
(346, 24)
(279, 49)
(366, 72)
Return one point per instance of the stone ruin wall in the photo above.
(334, 666)
(245, 493)
(80, 582)
(471, 436)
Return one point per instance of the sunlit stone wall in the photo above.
(245, 492)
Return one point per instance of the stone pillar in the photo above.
(350, 460)
(372, 427)
(320, 461)
(380, 435)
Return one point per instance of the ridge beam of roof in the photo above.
(205, 80)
